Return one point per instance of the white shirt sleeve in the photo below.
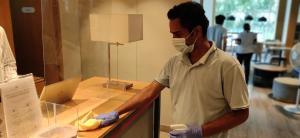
(8, 59)
(225, 33)
(235, 88)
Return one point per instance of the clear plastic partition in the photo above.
(70, 50)
(57, 121)
(61, 40)
(74, 46)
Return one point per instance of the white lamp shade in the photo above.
(122, 28)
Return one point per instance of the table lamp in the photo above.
(116, 29)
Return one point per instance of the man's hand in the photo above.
(190, 132)
(108, 118)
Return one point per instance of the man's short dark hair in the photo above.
(190, 15)
(220, 19)
(247, 26)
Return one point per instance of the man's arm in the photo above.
(227, 121)
(141, 98)
(224, 43)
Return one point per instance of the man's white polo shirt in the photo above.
(206, 90)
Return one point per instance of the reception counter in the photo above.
(90, 95)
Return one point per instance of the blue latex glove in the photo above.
(108, 118)
(190, 132)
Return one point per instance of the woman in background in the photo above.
(246, 41)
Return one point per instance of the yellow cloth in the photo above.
(88, 122)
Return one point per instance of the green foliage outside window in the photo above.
(256, 8)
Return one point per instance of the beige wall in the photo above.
(93, 54)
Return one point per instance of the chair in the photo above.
(268, 52)
(258, 52)
(285, 89)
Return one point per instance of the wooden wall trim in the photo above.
(52, 42)
(6, 23)
(292, 23)
(280, 19)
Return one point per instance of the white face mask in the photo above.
(180, 45)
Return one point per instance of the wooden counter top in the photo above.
(101, 100)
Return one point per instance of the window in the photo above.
(257, 9)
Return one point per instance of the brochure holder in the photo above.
(23, 115)
(20, 105)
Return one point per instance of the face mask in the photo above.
(180, 45)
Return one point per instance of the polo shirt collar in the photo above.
(185, 59)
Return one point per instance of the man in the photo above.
(247, 42)
(7, 60)
(209, 93)
(218, 33)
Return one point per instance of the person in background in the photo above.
(218, 33)
(7, 59)
(246, 46)
(208, 90)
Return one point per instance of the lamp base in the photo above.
(117, 85)
(292, 108)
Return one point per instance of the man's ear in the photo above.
(198, 30)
